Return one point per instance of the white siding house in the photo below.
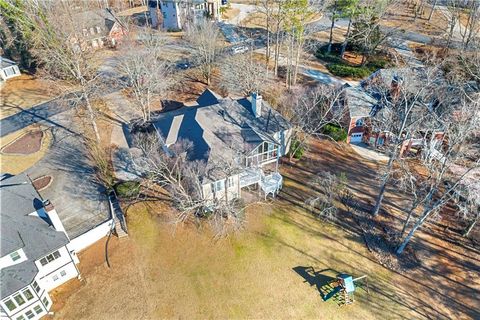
(8, 69)
(35, 257)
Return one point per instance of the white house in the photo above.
(35, 252)
(175, 13)
(8, 69)
(247, 132)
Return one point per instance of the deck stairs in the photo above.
(117, 216)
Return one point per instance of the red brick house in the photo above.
(364, 113)
(97, 29)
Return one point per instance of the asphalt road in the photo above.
(40, 113)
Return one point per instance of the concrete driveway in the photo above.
(368, 153)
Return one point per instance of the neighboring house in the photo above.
(246, 132)
(8, 69)
(98, 28)
(35, 253)
(365, 111)
(175, 13)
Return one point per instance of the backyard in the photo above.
(265, 271)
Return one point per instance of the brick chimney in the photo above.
(257, 104)
(53, 215)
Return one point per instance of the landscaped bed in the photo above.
(28, 143)
(42, 182)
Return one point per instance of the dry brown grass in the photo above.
(23, 92)
(163, 272)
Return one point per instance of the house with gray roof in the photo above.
(246, 131)
(35, 256)
(8, 69)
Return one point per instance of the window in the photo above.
(28, 294)
(10, 304)
(359, 123)
(45, 301)
(92, 32)
(219, 185)
(230, 182)
(55, 277)
(19, 299)
(98, 29)
(49, 258)
(30, 314)
(21, 318)
(38, 309)
(15, 256)
(36, 286)
(63, 273)
(85, 32)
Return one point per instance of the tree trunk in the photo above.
(433, 9)
(409, 216)
(92, 117)
(277, 49)
(383, 186)
(344, 45)
(409, 236)
(330, 39)
(268, 40)
(471, 226)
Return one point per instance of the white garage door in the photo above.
(356, 137)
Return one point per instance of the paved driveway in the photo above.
(40, 113)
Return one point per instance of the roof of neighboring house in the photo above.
(5, 63)
(20, 230)
(359, 102)
(103, 18)
(220, 127)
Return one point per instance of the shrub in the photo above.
(335, 132)
(127, 189)
(377, 64)
(343, 70)
(297, 149)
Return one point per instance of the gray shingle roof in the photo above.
(4, 63)
(220, 127)
(20, 230)
(359, 102)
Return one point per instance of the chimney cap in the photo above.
(47, 205)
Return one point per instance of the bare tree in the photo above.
(204, 40)
(184, 180)
(313, 109)
(405, 97)
(471, 31)
(148, 73)
(58, 46)
(241, 73)
(460, 121)
(331, 189)
(266, 8)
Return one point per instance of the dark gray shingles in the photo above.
(21, 230)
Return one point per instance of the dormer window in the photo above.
(14, 256)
